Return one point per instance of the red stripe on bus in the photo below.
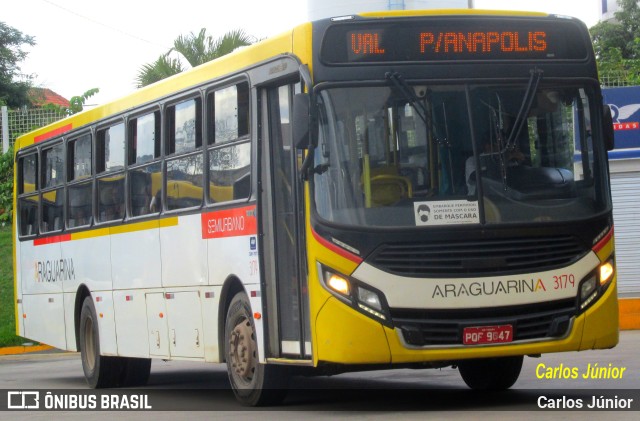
(52, 133)
(230, 223)
(336, 249)
(52, 240)
(604, 241)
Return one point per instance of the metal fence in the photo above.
(24, 120)
(617, 79)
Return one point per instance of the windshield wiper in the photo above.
(527, 101)
(397, 79)
(521, 118)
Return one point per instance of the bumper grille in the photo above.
(444, 327)
(486, 257)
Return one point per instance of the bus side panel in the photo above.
(42, 268)
(233, 252)
(132, 334)
(42, 272)
(17, 283)
(210, 304)
(89, 261)
(44, 319)
(135, 257)
(184, 253)
(135, 264)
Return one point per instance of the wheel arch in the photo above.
(82, 293)
(231, 287)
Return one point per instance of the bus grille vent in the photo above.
(479, 257)
(445, 327)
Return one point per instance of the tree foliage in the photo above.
(195, 49)
(76, 103)
(617, 43)
(14, 85)
(6, 186)
(162, 68)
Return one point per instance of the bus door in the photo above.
(285, 280)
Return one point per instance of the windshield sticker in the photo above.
(446, 212)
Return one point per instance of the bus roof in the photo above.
(235, 61)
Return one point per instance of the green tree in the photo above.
(14, 85)
(76, 103)
(6, 186)
(162, 68)
(195, 50)
(617, 43)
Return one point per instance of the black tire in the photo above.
(99, 371)
(136, 372)
(253, 383)
(491, 373)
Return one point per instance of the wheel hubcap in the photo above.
(89, 345)
(242, 350)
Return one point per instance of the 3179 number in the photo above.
(564, 281)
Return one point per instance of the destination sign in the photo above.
(449, 39)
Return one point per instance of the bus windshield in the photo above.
(411, 155)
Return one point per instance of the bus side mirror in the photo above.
(607, 128)
(300, 129)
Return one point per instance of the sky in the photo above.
(83, 44)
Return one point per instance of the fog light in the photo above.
(369, 298)
(606, 271)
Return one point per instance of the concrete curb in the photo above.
(11, 350)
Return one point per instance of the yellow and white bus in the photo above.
(397, 189)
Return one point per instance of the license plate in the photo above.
(478, 335)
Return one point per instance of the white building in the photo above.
(320, 9)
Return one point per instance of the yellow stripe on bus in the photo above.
(123, 229)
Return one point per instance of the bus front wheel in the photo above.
(253, 383)
(102, 371)
(491, 373)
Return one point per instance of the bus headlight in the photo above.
(596, 283)
(338, 284)
(363, 298)
(588, 292)
(606, 272)
(369, 298)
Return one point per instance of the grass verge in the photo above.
(7, 304)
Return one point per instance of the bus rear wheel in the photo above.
(491, 373)
(253, 383)
(102, 371)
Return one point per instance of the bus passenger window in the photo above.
(79, 209)
(52, 180)
(184, 128)
(28, 215)
(230, 173)
(230, 118)
(145, 189)
(110, 149)
(144, 139)
(27, 189)
(111, 198)
(185, 178)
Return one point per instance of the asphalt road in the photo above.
(404, 393)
